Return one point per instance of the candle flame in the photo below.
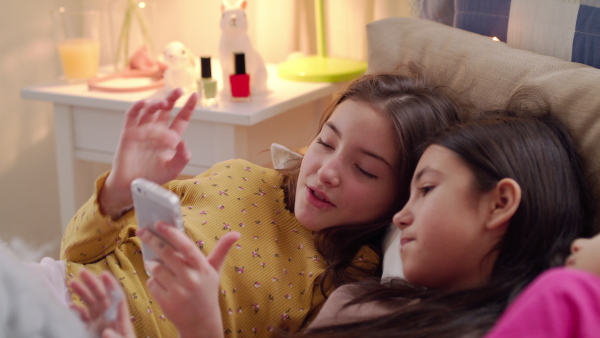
(495, 39)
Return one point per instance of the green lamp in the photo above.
(320, 68)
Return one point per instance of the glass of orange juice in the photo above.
(77, 36)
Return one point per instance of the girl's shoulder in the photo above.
(335, 310)
(567, 279)
(234, 183)
(236, 169)
(242, 167)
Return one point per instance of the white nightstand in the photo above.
(88, 124)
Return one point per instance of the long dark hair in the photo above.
(535, 150)
(417, 109)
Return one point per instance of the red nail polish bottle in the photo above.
(240, 81)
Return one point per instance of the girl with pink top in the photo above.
(562, 302)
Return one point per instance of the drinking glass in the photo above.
(77, 37)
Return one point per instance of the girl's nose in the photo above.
(329, 173)
(403, 218)
(578, 244)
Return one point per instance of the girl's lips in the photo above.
(317, 199)
(403, 240)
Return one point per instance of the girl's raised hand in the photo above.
(106, 312)
(149, 147)
(185, 282)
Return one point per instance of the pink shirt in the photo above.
(562, 302)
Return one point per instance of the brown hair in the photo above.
(535, 150)
(417, 108)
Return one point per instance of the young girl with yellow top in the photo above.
(494, 202)
(306, 230)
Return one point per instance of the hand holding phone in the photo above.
(154, 203)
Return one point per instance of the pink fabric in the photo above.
(562, 302)
(53, 276)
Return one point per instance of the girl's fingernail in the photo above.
(161, 226)
(141, 232)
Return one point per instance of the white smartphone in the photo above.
(154, 203)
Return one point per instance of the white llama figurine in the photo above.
(234, 39)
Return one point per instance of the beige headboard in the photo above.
(488, 72)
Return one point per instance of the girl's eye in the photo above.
(366, 173)
(320, 141)
(426, 189)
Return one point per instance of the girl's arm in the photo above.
(90, 235)
(185, 282)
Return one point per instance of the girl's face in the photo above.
(444, 241)
(585, 254)
(347, 174)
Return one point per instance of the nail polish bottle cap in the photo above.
(240, 63)
(205, 67)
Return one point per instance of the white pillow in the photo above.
(392, 262)
(27, 309)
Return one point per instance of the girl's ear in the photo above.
(506, 201)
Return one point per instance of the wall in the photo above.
(28, 206)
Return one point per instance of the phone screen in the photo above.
(154, 203)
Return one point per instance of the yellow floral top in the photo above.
(269, 277)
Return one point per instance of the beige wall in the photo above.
(28, 188)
